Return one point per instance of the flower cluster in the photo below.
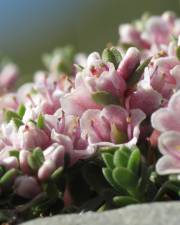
(83, 104)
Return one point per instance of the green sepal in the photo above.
(9, 115)
(112, 55)
(178, 52)
(138, 73)
(17, 122)
(21, 111)
(118, 136)
(104, 98)
(40, 121)
(8, 177)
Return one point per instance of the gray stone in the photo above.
(145, 214)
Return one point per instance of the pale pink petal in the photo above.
(175, 72)
(168, 165)
(136, 117)
(148, 100)
(164, 120)
(62, 140)
(174, 103)
(93, 126)
(77, 102)
(117, 115)
(169, 143)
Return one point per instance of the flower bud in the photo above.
(10, 162)
(26, 187)
(31, 136)
(23, 161)
(129, 63)
(46, 170)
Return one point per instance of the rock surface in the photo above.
(146, 214)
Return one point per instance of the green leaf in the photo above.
(104, 98)
(134, 161)
(14, 153)
(21, 111)
(5, 217)
(102, 208)
(108, 175)
(121, 201)
(57, 174)
(112, 55)
(138, 73)
(108, 159)
(8, 176)
(108, 149)
(33, 162)
(121, 157)
(38, 155)
(40, 121)
(92, 173)
(124, 177)
(51, 190)
(2, 171)
(178, 52)
(9, 115)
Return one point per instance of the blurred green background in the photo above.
(29, 28)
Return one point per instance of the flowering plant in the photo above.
(94, 132)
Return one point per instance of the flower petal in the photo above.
(168, 165)
(169, 143)
(165, 120)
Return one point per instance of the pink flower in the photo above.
(112, 124)
(166, 120)
(157, 30)
(30, 136)
(66, 138)
(8, 76)
(97, 76)
(129, 34)
(148, 100)
(160, 76)
(169, 145)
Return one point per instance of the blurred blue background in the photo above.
(29, 28)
